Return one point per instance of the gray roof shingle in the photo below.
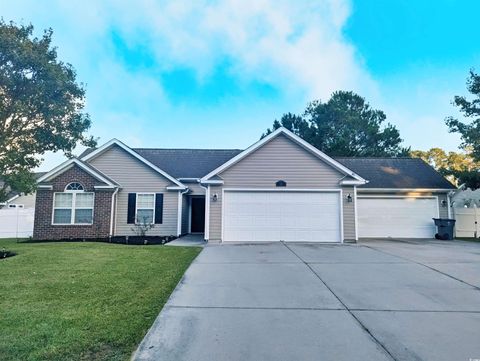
(396, 173)
(380, 172)
(187, 163)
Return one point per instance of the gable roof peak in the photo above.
(136, 155)
(296, 139)
(83, 165)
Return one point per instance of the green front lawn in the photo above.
(83, 301)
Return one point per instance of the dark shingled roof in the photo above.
(380, 172)
(187, 163)
(86, 152)
(396, 173)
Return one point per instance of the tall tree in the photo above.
(459, 168)
(41, 105)
(346, 125)
(469, 130)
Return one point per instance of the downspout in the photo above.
(112, 211)
(180, 210)
(449, 203)
(207, 211)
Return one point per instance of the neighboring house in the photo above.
(280, 188)
(20, 200)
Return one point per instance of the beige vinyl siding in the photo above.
(281, 159)
(136, 177)
(348, 214)
(216, 214)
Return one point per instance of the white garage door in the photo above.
(263, 216)
(407, 217)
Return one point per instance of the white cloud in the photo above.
(289, 44)
(296, 46)
(292, 45)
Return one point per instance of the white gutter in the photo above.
(175, 188)
(112, 211)
(47, 187)
(352, 182)
(214, 181)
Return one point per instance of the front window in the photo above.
(145, 208)
(74, 206)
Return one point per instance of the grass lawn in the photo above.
(83, 301)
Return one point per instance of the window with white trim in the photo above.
(73, 206)
(145, 208)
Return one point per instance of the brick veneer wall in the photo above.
(43, 228)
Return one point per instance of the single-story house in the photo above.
(279, 189)
(17, 199)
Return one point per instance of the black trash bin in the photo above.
(444, 228)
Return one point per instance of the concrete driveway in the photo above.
(376, 300)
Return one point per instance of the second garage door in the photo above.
(403, 217)
(265, 216)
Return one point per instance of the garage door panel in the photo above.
(251, 216)
(409, 217)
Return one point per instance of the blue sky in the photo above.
(215, 74)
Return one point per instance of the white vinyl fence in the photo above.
(16, 222)
(467, 222)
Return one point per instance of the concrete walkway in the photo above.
(377, 300)
(189, 240)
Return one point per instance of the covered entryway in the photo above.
(282, 215)
(197, 209)
(396, 216)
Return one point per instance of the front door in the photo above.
(198, 215)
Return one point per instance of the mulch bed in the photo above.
(5, 254)
(131, 240)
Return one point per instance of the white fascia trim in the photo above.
(283, 189)
(295, 138)
(47, 187)
(67, 165)
(12, 199)
(189, 179)
(373, 190)
(212, 181)
(114, 141)
(352, 182)
(106, 187)
(176, 188)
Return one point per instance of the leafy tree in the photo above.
(469, 131)
(41, 105)
(345, 126)
(459, 168)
